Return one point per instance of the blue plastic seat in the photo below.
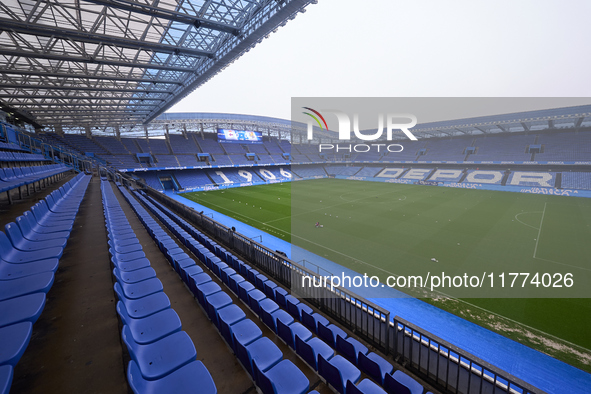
(150, 328)
(280, 294)
(215, 302)
(134, 276)
(12, 255)
(182, 264)
(226, 273)
(260, 281)
(13, 342)
(310, 349)
(284, 378)
(255, 296)
(350, 348)
(125, 257)
(401, 383)
(228, 316)
(366, 386)
(21, 243)
(133, 291)
(9, 271)
(269, 288)
(244, 332)
(29, 233)
(330, 333)
(311, 320)
(198, 279)
(25, 308)
(119, 242)
(217, 267)
(123, 235)
(296, 310)
(6, 373)
(243, 289)
(145, 306)
(261, 355)
(160, 358)
(337, 371)
(205, 289)
(125, 248)
(207, 257)
(38, 228)
(251, 274)
(189, 271)
(131, 265)
(26, 285)
(271, 319)
(375, 366)
(45, 218)
(266, 308)
(289, 332)
(185, 380)
(234, 281)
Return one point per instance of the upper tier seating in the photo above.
(502, 148)
(566, 146)
(83, 144)
(180, 144)
(446, 149)
(112, 145)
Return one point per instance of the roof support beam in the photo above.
(161, 13)
(56, 105)
(62, 97)
(95, 38)
(579, 122)
(80, 88)
(122, 112)
(89, 76)
(93, 60)
(525, 126)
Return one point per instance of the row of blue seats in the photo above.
(271, 302)
(20, 156)
(261, 358)
(9, 146)
(30, 250)
(163, 357)
(13, 177)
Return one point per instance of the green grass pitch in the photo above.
(379, 228)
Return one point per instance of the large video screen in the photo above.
(240, 136)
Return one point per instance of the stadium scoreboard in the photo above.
(240, 136)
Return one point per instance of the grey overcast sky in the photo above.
(419, 48)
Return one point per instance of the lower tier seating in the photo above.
(30, 250)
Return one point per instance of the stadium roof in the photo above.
(577, 117)
(107, 63)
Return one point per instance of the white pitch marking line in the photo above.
(525, 224)
(457, 299)
(566, 265)
(540, 230)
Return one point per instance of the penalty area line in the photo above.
(540, 230)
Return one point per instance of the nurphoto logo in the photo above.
(344, 130)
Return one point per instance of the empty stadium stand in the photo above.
(292, 320)
(279, 343)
